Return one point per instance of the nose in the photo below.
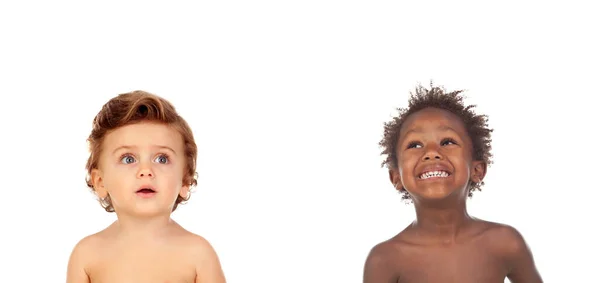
(145, 171)
(432, 153)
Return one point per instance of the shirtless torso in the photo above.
(486, 253)
(178, 256)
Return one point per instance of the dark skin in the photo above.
(445, 244)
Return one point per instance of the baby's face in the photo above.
(434, 156)
(141, 168)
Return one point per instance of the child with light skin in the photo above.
(142, 166)
(438, 151)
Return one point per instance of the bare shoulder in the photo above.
(81, 257)
(507, 239)
(205, 259)
(199, 246)
(385, 251)
(383, 260)
(510, 245)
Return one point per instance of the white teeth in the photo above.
(439, 174)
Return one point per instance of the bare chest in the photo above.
(142, 266)
(448, 265)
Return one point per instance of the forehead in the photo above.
(144, 134)
(430, 119)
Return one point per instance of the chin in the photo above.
(432, 193)
(149, 210)
(431, 196)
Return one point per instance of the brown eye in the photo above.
(413, 145)
(448, 141)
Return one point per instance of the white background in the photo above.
(287, 101)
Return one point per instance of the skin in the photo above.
(444, 243)
(144, 244)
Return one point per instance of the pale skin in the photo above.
(144, 244)
(445, 244)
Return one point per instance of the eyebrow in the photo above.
(133, 147)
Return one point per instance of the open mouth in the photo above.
(145, 191)
(434, 174)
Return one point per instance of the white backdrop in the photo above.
(287, 101)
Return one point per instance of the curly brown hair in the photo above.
(134, 107)
(437, 97)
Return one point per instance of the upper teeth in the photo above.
(428, 175)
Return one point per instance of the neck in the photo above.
(443, 222)
(140, 227)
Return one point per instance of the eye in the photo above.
(163, 159)
(413, 145)
(448, 141)
(127, 159)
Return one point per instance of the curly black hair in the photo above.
(437, 97)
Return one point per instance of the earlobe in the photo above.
(185, 192)
(395, 179)
(186, 188)
(479, 171)
(98, 183)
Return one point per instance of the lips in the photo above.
(146, 190)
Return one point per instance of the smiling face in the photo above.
(141, 168)
(435, 156)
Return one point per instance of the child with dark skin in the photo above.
(438, 152)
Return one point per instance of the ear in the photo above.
(478, 171)
(186, 189)
(394, 175)
(98, 183)
(184, 192)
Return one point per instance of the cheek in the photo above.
(463, 159)
(181, 172)
(117, 174)
(461, 167)
(407, 160)
(115, 179)
(406, 165)
(172, 175)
